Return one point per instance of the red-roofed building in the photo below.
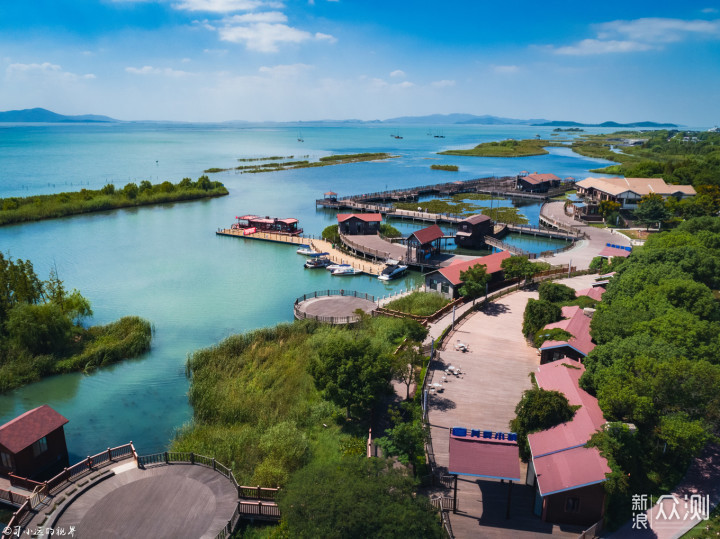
(471, 232)
(359, 224)
(33, 443)
(287, 226)
(537, 183)
(577, 324)
(568, 476)
(610, 251)
(594, 292)
(447, 280)
(424, 243)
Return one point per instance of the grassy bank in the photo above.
(458, 205)
(95, 347)
(278, 164)
(449, 168)
(505, 148)
(418, 303)
(270, 404)
(39, 207)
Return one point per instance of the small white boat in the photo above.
(392, 271)
(306, 250)
(346, 271)
(333, 267)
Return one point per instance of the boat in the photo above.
(317, 262)
(340, 272)
(333, 267)
(392, 271)
(306, 250)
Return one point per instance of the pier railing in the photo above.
(351, 319)
(22, 516)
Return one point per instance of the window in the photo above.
(6, 460)
(572, 505)
(40, 446)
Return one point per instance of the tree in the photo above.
(538, 410)
(406, 439)
(389, 231)
(40, 329)
(521, 267)
(331, 234)
(131, 191)
(407, 365)
(355, 497)
(351, 372)
(651, 209)
(555, 292)
(539, 313)
(475, 280)
(108, 189)
(608, 207)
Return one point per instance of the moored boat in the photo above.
(333, 267)
(341, 272)
(392, 271)
(306, 250)
(317, 262)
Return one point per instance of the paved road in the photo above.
(586, 249)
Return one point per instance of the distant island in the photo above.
(39, 115)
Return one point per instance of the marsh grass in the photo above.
(418, 303)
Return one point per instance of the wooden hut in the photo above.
(424, 243)
(359, 224)
(33, 443)
(471, 232)
(537, 183)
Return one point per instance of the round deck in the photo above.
(334, 309)
(166, 501)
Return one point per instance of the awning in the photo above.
(465, 234)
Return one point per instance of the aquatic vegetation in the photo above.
(449, 168)
(39, 207)
(340, 159)
(506, 148)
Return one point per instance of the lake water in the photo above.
(166, 264)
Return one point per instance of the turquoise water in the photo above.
(166, 264)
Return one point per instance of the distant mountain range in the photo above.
(47, 116)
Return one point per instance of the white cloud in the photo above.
(710, 10)
(265, 37)
(443, 83)
(597, 46)
(639, 35)
(266, 16)
(398, 73)
(149, 70)
(45, 70)
(325, 37)
(506, 69)
(405, 84)
(285, 71)
(225, 6)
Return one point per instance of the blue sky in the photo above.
(216, 60)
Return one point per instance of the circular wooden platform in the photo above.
(179, 500)
(334, 309)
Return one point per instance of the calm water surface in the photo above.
(166, 264)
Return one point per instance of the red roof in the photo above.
(613, 251)
(248, 217)
(289, 221)
(28, 428)
(536, 179)
(426, 235)
(561, 462)
(475, 219)
(577, 324)
(491, 262)
(594, 292)
(330, 193)
(472, 456)
(367, 217)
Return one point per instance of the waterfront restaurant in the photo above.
(359, 224)
(536, 183)
(471, 232)
(268, 224)
(447, 282)
(424, 243)
(577, 324)
(625, 191)
(33, 444)
(568, 477)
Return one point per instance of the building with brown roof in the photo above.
(536, 183)
(567, 475)
(424, 243)
(447, 281)
(625, 191)
(33, 443)
(471, 232)
(359, 224)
